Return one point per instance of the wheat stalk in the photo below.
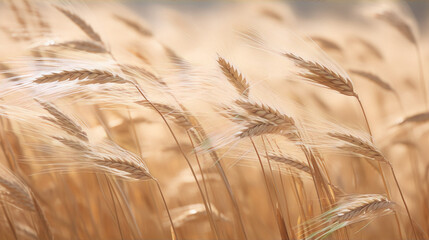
(326, 43)
(15, 192)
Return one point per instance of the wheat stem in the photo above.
(166, 208)
(384, 178)
(202, 176)
(403, 200)
(181, 151)
(266, 181)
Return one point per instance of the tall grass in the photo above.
(241, 121)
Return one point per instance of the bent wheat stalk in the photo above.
(323, 76)
(361, 147)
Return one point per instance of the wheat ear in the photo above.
(62, 120)
(349, 210)
(88, 76)
(82, 24)
(136, 26)
(323, 76)
(81, 45)
(234, 77)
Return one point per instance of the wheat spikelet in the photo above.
(358, 146)
(117, 161)
(66, 123)
(175, 58)
(132, 170)
(416, 118)
(137, 27)
(326, 43)
(234, 115)
(362, 205)
(76, 145)
(270, 13)
(260, 128)
(28, 6)
(394, 20)
(141, 73)
(369, 46)
(18, 14)
(107, 157)
(268, 113)
(266, 120)
(138, 54)
(291, 162)
(373, 78)
(80, 45)
(43, 25)
(84, 26)
(323, 76)
(178, 117)
(15, 192)
(5, 70)
(234, 77)
(87, 76)
(350, 209)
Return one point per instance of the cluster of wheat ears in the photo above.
(200, 122)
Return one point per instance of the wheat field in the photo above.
(206, 120)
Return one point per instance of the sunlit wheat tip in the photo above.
(322, 75)
(358, 146)
(234, 77)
